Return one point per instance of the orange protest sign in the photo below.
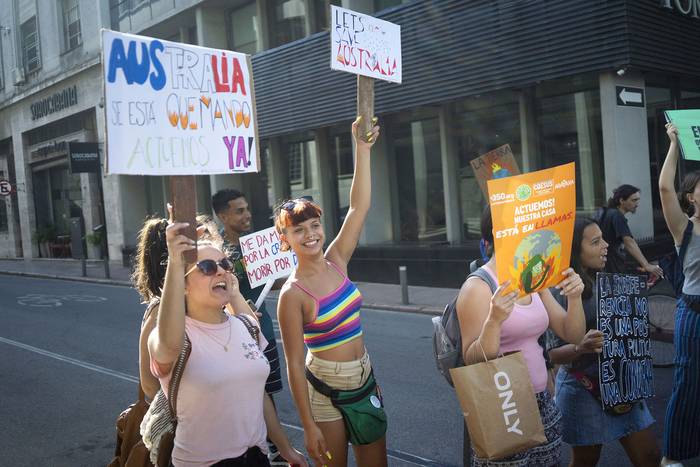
(498, 163)
(533, 225)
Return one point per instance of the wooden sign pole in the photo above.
(183, 193)
(365, 104)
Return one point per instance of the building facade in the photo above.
(559, 81)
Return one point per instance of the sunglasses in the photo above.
(290, 205)
(208, 267)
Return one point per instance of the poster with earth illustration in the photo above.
(533, 221)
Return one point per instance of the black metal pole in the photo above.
(105, 248)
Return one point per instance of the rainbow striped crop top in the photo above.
(337, 319)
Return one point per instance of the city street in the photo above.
(69, 366)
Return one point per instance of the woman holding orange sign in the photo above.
(496, 322)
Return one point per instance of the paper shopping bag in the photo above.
(499, 406)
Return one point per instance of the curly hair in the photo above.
(151, 259)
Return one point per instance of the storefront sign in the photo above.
(685, 7)
(533, 225)
(498, 163)
(84, 157)
(5, 188)
(177, 109)
(54, 103)
(629, 97)
(364, 45)
(688, 124)
(51, 149)
(264, 260)
(625, 365)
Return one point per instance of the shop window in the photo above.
(658, 100)
(342, 153)
(71, 24)
(480, 125)
(421, 200)
(30, 45)
(245, 28)
(569, 130)
(287, 21)
(301, 156)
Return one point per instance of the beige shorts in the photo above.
(338, 375)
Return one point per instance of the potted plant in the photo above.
(44, 235)
(95, 240)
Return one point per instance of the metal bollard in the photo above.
(403, 279)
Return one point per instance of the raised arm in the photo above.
(165, 342)
(676, 220)
(341, 249)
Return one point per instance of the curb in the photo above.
(93, 280)
(416, 309)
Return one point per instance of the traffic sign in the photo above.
(629, 97)
(5, 188)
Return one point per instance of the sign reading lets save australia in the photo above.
(177, 109)
(533, 223)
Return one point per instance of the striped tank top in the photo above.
(337, 318)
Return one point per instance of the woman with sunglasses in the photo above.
(223, 411)
(319, 307)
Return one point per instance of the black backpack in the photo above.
(447, 338)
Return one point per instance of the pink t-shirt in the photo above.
(220, 399)
(521, 331)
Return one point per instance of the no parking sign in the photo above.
(5, 188)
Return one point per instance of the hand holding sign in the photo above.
(687, 130)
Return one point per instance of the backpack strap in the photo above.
(484, 275)
(177, 375)
(254, 331)
(686, 241)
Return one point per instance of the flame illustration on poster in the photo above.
(533, 222)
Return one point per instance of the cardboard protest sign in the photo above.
(688, 124)
(263, 259)
(625, 365)
(498, 163)
(364, 45)
(533, 222)
(177, 109)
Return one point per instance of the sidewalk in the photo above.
(430, 300)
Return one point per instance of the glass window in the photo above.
(658, 100)
(380, 5)
(482, 124)
(245, 29)
(322, 12)
(302, 168)
(420, 191)
(570, 130)
(342, 153)
(71, 24)
(2, 68)
(30, 45)
(287, 21)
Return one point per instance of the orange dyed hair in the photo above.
(295, 211)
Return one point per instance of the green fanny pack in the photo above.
(362, 408)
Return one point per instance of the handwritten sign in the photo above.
(688, 124)
(263, 259)
(498, 163)
(177, 109)
(364, 45)
(533, 224)
(625, 365)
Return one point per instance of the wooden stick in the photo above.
(183, 193)
(365, 104)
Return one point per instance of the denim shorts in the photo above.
(586, 423)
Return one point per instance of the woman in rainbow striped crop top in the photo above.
(320, 307)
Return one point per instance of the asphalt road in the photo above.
(68, 367)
